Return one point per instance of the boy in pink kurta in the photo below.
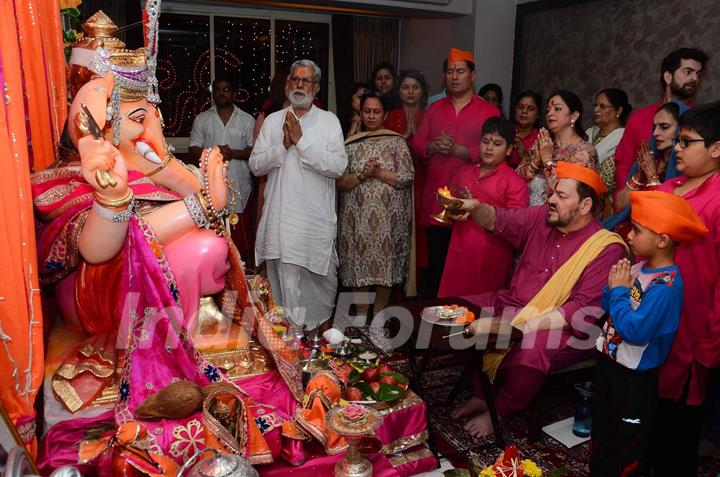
(478, 262)
(696, 349)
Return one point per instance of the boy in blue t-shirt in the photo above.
(643, 304)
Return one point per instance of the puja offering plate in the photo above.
(354, 422)
(447, 315)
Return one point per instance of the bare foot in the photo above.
(474, 405)
(480, 426)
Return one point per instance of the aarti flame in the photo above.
(444, 191)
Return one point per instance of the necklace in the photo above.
(599, 137)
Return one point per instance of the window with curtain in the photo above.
(376, 40)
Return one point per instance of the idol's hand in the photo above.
(101, 163)
(216, 176)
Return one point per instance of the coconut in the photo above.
(179, 399)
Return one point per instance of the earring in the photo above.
(572, 123)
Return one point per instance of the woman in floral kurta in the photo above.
(564, 114)
(375, 213)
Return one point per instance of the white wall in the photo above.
(489, 32)
(425, 43)
(495, 44)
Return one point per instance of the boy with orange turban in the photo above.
(643, 303)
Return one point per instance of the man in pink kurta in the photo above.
(449, 137)
(548, 236)
(681, 73)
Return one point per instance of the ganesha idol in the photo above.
(131, 240)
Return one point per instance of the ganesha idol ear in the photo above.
(94, 94)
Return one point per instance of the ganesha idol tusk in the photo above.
(146, 151)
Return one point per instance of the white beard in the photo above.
(303, 103)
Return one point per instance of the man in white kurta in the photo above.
(301, 150)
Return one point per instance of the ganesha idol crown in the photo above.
(102, 53)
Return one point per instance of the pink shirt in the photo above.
(544, 250)
(697, 342)
(479, 262)
(465, 127)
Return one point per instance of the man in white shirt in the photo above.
(301, 150)
(229, 127)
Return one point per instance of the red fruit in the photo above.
(370, 375)
(354, 394)
(389, 379)
(375, 386)
(384, 368)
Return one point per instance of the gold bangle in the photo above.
(203, 204)
(159, 168)
(114, 204)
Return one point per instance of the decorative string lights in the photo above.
(242, 52)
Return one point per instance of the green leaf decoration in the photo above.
(366, 391)
(388, 392)
(402, 379)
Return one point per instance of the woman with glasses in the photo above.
(610, 114)
(654, 164)
(374, 217)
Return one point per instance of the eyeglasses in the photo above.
(303, 81)
(684, 142)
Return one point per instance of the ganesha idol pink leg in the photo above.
(199, 261)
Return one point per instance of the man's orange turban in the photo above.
(668, 214)
(460, 55)
(569, 170)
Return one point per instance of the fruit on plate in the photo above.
(384, 368)
(354, 394)
(370, 375)
(389, 379)
(468, 317)
(375, 386)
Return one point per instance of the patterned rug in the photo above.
(555, 402)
